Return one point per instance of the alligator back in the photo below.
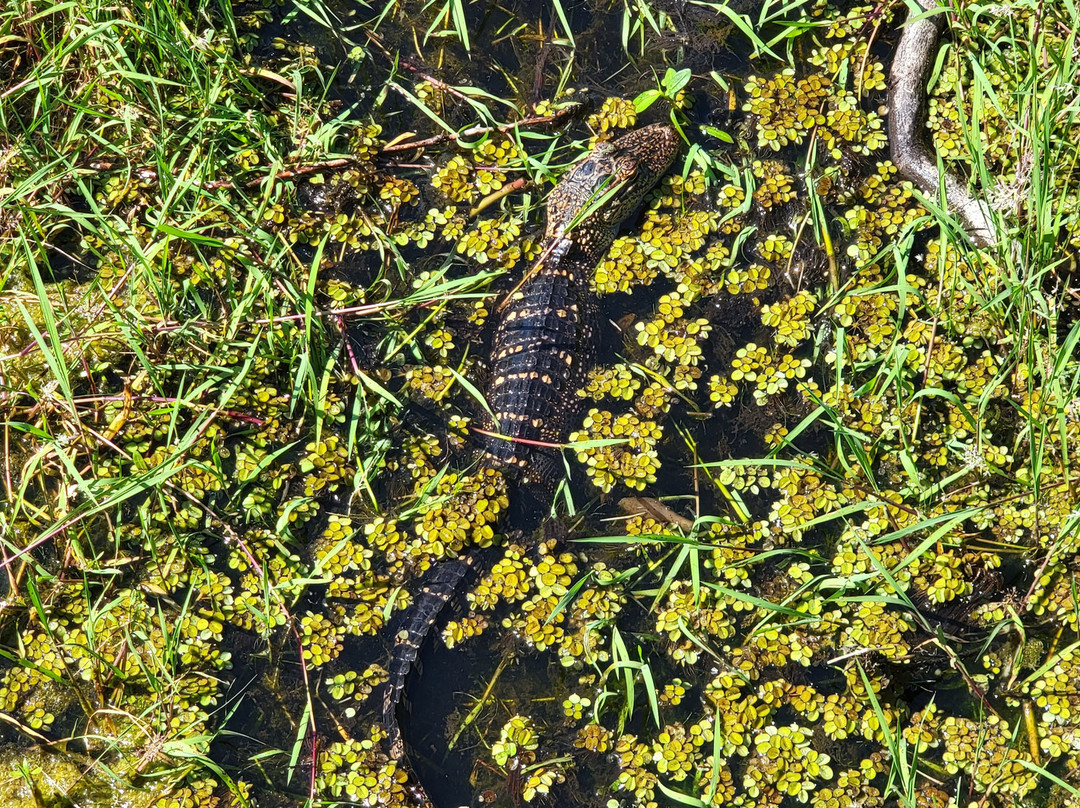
(545, 340)
(543, 345)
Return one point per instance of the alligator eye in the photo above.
(586, 168)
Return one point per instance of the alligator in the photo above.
(544, 342)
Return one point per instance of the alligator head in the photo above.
(607, 186)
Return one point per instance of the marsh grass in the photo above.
(183, 409)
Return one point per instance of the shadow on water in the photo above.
(430, 718)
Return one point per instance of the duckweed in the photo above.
(786, 107)
(614, 113)
(627, 453)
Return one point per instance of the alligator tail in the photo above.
(423, 614)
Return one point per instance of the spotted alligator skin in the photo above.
(544, 343)
(545, 339)
(542, 347)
